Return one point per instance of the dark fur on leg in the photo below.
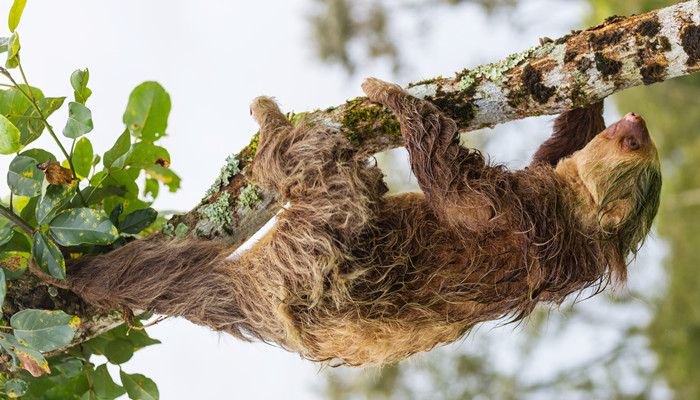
(457, 182)
(572, 131)
(181, 278)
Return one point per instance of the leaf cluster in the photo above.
(73, 376)
(67, 204)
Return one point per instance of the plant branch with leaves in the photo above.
(75, 205)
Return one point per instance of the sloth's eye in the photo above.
(632, 143)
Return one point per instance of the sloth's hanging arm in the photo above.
(570, 72)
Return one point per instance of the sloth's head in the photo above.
(621, 177)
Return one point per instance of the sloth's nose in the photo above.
(633, 126)
(633, 117)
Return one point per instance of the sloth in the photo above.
(350, 275)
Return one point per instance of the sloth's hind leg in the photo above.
(271, 167)
(318, 171)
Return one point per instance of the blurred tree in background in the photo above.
(672, 109)
(349, 32)
(656, 341)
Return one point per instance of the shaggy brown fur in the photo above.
(351, 275)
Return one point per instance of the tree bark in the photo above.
(573, 71)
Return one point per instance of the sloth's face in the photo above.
(626, 140)
(621, 172)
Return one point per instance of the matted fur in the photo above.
(354, 276)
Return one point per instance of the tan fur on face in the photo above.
(350, 275)
(590, 168)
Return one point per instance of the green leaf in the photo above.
(24, 178)
(14, 263)
(89, 395)
(68, 390)
(68, 367)
(3, 44)
(79, 121)
(28, 211)
(12, 52)
(23, 356)
(146, 115)
(133, 172)
(38, 387)
(30, 129)
(48, 256)
(38, 154)
(79, 80)
(104, 385)
(7, 343)
(95, 195)
(116, 212)
(82, 226)
(144, 155)
(130, 205)
(96, 160)
(44, 330)
(15, 14)
(139, 338)
(18, 109)
(9, 137)
(152, 187)
(3, 286)
(54, 199)
(138, 386)
(6, 233)
(13, 102)
(120, 148)
(138, 220)
(16, 387)
(119, 351)
(19, 242)
(82, 157)
(117, 178)
(165, 176)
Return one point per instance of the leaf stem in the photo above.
(87, 374)
(22, 117)
(97, 186)
(17, 220)
(24, 78)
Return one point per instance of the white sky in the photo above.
(213, 57)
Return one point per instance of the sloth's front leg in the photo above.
(451, 176)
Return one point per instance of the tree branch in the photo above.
(570, 72)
